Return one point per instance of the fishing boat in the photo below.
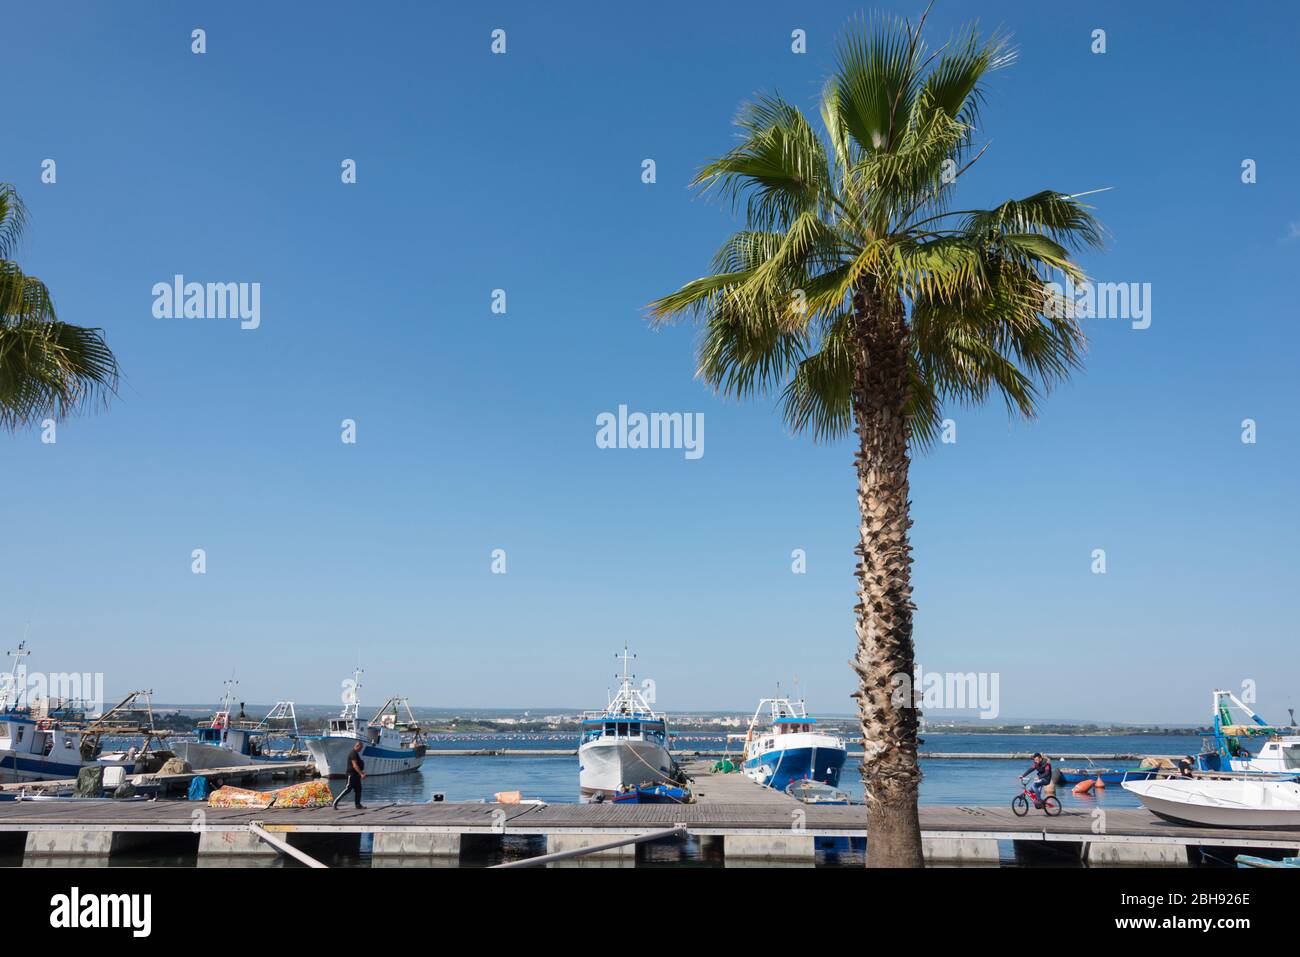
(1105, 775)
(1241, 802)
(791, 748)
(625, 745)
(226, 742)
(52, 739)
(390, 742)
(1253, 746)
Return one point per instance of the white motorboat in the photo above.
(1243, 802)
(624, 746)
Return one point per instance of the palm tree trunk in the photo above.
(884, 662)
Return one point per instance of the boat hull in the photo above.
(20, 766)
(607, 766)
(779, 768)
(1271, 805)
(330, 755)
(205, 757)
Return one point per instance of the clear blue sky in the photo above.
(476, 431)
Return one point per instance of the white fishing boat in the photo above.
(1252, 746)
(390, 744)
(229, 742)
(791, 748)
(625, 745)
(51, 739)
(1243, 802)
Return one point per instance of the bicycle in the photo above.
(1020, 803)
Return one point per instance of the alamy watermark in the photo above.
(1099, 300)
(46, 690)
(179, 299)
(653, 430)
(948, 690)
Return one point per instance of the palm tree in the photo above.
(48, 368)
(870, 303)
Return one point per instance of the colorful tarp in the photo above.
(307, 794)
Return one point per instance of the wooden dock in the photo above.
(753, 824)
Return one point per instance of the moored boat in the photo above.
(1253, 746)
(625, 745)
(1242, 802)
(791, 749)
(390, 744)
(52, 739)
(226, 742)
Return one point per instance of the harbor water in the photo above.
(554, 778)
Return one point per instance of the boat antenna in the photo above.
(9, 693)
(230, 684)
(626, 656)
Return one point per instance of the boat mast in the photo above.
(9, 695)
(352, 699)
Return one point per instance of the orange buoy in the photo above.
(1101, 785)
(1083, 787)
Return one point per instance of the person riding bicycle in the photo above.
(1042, 768)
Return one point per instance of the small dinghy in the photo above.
(1220, 802)
(652, 794)
(815, 792)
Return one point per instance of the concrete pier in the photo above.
(789, 848)
(230, 843)
(416, 844)
(1137, 854)
(960, 850)
(624, 856)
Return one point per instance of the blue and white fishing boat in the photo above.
(791, 748)
(1253, 746)
(52, 739)
(226, 742)
(390, 743)
(624, 747)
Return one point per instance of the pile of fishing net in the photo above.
(307, 794)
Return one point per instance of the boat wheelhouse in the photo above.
(624, 747)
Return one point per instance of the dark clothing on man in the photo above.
(1043, 768)
(355, 767)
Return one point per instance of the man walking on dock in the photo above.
(356, 771)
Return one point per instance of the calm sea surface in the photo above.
(554, 779)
